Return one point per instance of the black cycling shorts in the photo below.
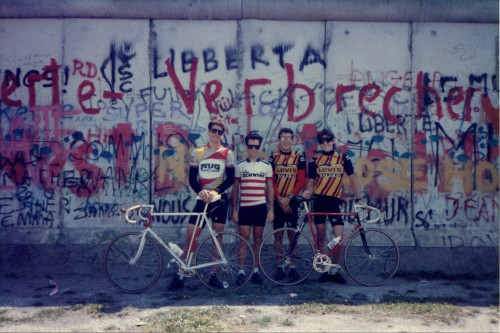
(326, 204)
(216, 210)
(253, 215)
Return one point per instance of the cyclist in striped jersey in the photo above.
(325, 172)
(289, 178)
(253, 182)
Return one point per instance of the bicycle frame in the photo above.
(338, 246)
(201, 219)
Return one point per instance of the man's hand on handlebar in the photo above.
(207, 195)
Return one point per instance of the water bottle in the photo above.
(333, 242)
(175, 249)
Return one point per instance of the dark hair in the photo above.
(253, 135)
(324, 133)
(285, 130)
(217, 121)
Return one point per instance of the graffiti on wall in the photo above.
(86, 150)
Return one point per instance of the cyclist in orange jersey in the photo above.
(325, 172)
(289, 179)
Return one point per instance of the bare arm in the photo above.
(309, 189)
(270, 200)
(234, 199)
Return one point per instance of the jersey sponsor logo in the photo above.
(211, 168)
(247, 174)
(286, 169)
(331, 169)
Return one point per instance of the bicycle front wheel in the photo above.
(371, 257)
(224, 276)
(286, 256)
(126, 275)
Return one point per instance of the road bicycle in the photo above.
(133, 261)
(371, 256)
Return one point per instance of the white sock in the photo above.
(256, 270)
(241, 272)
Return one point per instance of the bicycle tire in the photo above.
(132, 278)
(374, 264)
(227, 274)
(270, 260)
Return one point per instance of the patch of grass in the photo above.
(288, 322)
(188, 320)
(50, 314)
(111, 328)
(96, 310)
(4, 317)
(77, 307)
(262, 321)
(314, 308)
(430, 312)
(125, 312)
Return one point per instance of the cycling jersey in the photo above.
(211, 165)
(289, 173)
(327, 169)
(253, 177)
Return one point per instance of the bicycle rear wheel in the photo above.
(239, 256)
(286, 256)
(131, 277)
(371, 257)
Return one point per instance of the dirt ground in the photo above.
(83, 303)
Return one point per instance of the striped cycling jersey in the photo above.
(327, 169)
(253, 177)
(212, 164)
(286, 168)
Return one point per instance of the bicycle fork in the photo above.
(139, 250)
(362, 232)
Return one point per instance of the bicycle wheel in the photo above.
(371, 257)
(279, 256)
(239, 256)
(131, 277)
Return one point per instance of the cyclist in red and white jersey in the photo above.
(253, 186)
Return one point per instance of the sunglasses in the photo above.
(218, 131)
(286, 138)
(325, 139)
(253, 147)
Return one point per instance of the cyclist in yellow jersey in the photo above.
(325, 172)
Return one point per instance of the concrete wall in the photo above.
(100, 114)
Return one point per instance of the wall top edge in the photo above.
(459, 11)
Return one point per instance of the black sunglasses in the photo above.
(253, 146)
(326, 139)
(218, 131)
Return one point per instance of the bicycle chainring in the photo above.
(321, 263)
(187, 272)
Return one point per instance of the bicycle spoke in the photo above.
(374, 263)
(132, 277)
(285, 259)
(224, 276)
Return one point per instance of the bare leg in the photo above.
(338, 230)
(321, 236)
(257, 241)
(244, 231)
